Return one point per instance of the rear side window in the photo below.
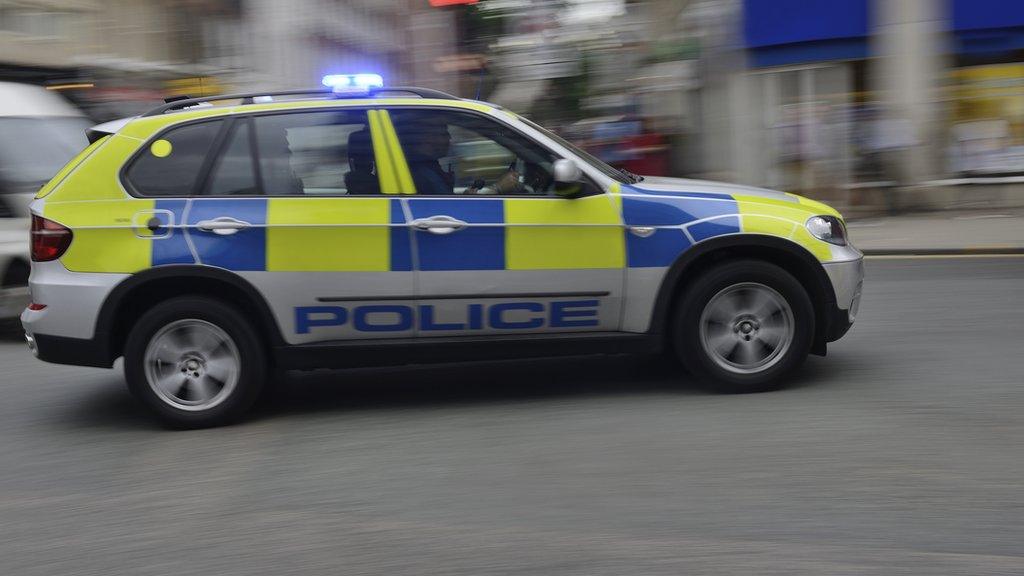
(234, 173)
(170, 165)
(327, 153)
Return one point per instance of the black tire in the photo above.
(687, 341)
(251, 369)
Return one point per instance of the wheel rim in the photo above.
(746, 328)
(192, 364)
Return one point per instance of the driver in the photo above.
(425, 143)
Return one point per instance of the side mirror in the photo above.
(567, 172)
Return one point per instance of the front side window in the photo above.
(316, 153)
(171, 164)
(450, 152)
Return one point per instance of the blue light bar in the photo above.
(353, 82)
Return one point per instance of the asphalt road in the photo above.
(899, 453)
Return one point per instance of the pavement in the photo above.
(946, 233)
(898, 454)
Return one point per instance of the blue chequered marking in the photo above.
(174, 248)
(639, 211)
(717, 227)
(657, 250)
(243, 250)
(472, 248)
(626, 189)
(401, 240)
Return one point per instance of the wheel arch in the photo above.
(786, 254)
(133, 296)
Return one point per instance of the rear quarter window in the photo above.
(170, 165)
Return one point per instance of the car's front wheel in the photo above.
(743, 326)
(195, 361)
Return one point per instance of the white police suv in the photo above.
(210, 245)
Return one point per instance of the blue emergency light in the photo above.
(353, 82)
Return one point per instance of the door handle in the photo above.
(224, 226)
(439, 224)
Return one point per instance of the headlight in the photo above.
(827, 229)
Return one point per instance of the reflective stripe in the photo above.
(329, 234)
(569, 234)
(405, 183)
(385, 162)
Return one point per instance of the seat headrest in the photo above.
(359, 144)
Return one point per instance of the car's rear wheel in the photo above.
(743, 326)
(195, 361)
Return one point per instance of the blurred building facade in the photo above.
(118, 57)
(294, 44)
(827, 98)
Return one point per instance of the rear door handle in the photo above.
(439, 224)
(224, 225)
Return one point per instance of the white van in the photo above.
(39, 133)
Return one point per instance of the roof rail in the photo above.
(249, 97)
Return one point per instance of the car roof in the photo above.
(144, 126)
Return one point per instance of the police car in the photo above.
(214, 241)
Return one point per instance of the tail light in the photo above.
(49, 239)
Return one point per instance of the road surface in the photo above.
(902, 452)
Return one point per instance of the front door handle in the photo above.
(224, 226)
(439, 224)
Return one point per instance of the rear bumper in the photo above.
(74, 351)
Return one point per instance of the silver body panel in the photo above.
(285, 291)
(73, 300)
(439, 290)
(847, 277)
(663, 184)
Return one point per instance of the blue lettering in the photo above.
(497, 312)
(361, 318)
(326, 316)
(476, 316)
(427, 321)
(584, 310)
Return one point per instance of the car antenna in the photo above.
(480, 81)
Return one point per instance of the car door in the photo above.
(293, 204)
(501, 254)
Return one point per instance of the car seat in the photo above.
(361, 179)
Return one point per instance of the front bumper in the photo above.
(847, 278)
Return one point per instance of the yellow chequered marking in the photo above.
(398, 163)
(781, 218)
(97, 179)
(328, 235)
(821, 250)
(104, 240)
(63, 173)
(556, 233)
